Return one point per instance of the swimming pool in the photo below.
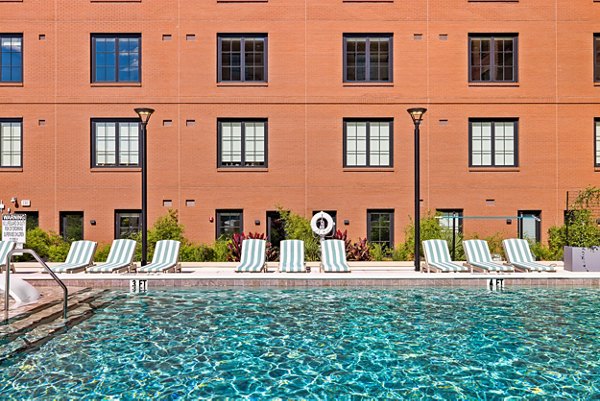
(323, 343)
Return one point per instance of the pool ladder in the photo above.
(45, 266)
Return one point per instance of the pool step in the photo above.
(31, 330)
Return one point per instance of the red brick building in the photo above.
(298, 104)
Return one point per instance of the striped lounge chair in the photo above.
(119, 258)
(253, 256)
(333, 257)
(437, 257)
(80, 257)
(519, 255)
(5, 248)
(478, 256)
(165, 258)
(291, 258)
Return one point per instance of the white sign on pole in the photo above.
(14, 228)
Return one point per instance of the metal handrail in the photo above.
(37, 257)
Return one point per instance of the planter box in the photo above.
(581, 259)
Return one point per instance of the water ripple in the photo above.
(321, 344)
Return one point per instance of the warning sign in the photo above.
(14, 228)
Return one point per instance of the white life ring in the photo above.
(324, 230)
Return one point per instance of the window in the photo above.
(115, 143)
(380, 227)
(11, 142)
(71, 225)
(597, 57)
(367, 143)
(451, 218)
(127, 223)
(242, 143)
(116, 58)
(493, 58)
(229, 222)
(530, 225)
(11, 58)
(242, 58)
(597, 144)
(33, 219)
(493, 143)
(275, 228)
(367, 58)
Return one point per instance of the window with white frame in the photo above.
(11, 142)
(115, 143)
(242, 143)
(368, 143)
(493, 143)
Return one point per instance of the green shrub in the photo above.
(47, 245)
(59, 252)
(380, 252)
(221, 250)
(298, 227)
(166, 227)
(196, 253)
(102, 253)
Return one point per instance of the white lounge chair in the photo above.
(165, 258)
(253, 256)
(437, 257)
(333, 257)
(5, 248)
(119, 258)
(479, 257)
(291, 257)
(519, 255)
(80, 257)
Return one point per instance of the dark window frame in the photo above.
(538, 223)
(243, 37)
(116, 36)
(218, 213)
(12, 120)
(243, 121)
(491, 37)
(62, 214)
(493, 120)
(118, 212)
(368, 144)
(12, 36)
(391, 212)
(32, 216)
(368, 36)
(93, 160)
(459, 221)
(596, 55)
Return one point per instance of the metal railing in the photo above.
(45, 266)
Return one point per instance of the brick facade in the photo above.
(305, 102)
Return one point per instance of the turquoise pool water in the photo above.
(323, 344)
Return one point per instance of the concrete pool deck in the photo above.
(388, 274)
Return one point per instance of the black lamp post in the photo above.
(417, 117)
(144, 114)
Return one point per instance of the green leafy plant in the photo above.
(380, 252)
(166, 227)
(102, 253)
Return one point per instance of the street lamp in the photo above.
(417, 116)
(144, 113)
